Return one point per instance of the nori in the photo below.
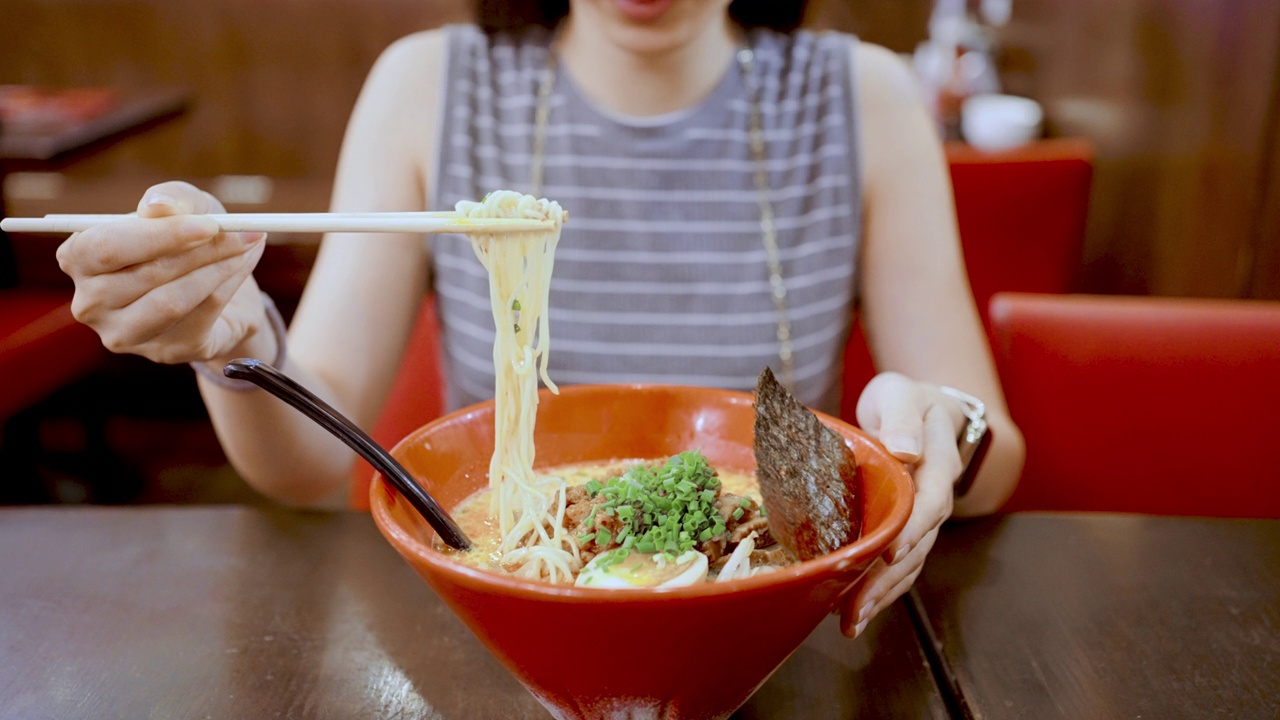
(808, 475)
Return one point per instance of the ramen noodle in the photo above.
(649, 523)
(528, 509)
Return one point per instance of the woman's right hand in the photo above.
(168, 285)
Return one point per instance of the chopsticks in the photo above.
(402, 222)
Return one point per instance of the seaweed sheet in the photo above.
(808, 475)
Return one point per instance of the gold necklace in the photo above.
(768, 228)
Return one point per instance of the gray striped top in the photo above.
(661, 273)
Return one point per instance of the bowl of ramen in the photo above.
(683, 620)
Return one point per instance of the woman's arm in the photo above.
(917, 307)
(361, 299)
(922, 326)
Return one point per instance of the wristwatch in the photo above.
(974, 438)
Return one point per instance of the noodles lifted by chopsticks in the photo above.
(530, 510)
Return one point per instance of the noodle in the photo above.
(529, 509)
(534, 540)
(739, 564)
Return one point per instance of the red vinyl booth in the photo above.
(1141, 404)
(42, 347)
(1021, 215)
(416, 397)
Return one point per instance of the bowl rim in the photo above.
(838, 561)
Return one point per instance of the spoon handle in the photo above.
(288, 390)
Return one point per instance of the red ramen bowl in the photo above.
(596, 653)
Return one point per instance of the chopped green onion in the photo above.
(669, 509)
(737, 513)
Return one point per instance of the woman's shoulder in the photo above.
(472, 40)
(800, 48)
(880, 64)
(412, 56)
(867, 61)
(838, 55)
(884, 80)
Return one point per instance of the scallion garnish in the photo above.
(669, 509)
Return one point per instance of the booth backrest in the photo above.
(1021, 215)
(42, 347)
(416, 397)
(1143, 404)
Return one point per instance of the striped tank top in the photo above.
(661, 273)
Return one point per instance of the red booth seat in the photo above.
(1141, 404)
(1021, 215)
(416, 397)
(42, 347)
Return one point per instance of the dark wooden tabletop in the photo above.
(1109, 616)
(234, 612)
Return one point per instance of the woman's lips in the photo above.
(642, 10)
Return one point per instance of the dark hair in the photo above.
(515, 15)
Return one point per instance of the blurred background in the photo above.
(1173, 106)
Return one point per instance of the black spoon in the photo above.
(288, 390)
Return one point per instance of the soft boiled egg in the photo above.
(644, 570)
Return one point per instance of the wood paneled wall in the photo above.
(273, 81)
(1181, 97)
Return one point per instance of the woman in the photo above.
(725, 206)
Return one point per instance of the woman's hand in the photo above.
(919, 426)
(167, 285)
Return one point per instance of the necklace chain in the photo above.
(768, 226)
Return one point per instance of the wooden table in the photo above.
(233, 612)
(132, 111)
(1108, 616)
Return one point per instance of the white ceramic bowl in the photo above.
(999, 122)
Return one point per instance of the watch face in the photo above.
(971, 456)
(974, 439)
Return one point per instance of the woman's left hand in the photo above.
(919, 426)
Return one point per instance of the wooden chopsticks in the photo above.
(404, 222)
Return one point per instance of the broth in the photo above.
(473, 513)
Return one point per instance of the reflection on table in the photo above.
(238, 612)
(1109, 616)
